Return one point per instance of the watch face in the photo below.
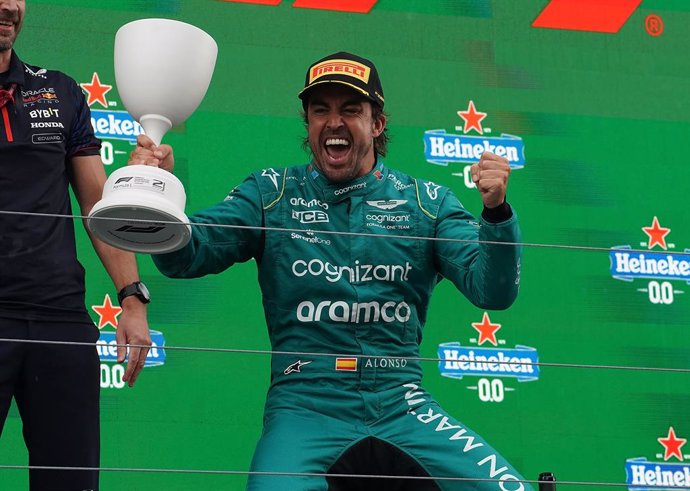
(144, 291)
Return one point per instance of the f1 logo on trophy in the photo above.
(162, 71)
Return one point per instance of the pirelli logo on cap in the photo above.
(346, 364)
(340, 67)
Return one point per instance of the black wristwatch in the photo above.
(138, 289)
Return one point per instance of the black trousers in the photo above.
(56, 388)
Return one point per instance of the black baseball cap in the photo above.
(347, 69)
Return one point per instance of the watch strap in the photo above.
(132, 289)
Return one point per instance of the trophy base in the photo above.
(141, 211)
(139, 228)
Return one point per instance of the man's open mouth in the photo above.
(337, 148)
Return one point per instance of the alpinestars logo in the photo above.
(658, 265)
(106, 346)
(273, 175)
(494, 366)
(296, 367)
(668, 474)
(432, 189)
(442, 148)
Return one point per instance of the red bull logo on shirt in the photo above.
(660, 266)
(671, 473)
(492, 365)
(106, 346)
(43, 95)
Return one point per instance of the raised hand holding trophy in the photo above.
(162, 71)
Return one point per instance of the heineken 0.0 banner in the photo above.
(589, 102)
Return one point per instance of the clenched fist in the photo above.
(147, 153)
(491, 177)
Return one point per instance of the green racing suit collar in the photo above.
(361, 186)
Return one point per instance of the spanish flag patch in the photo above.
(346, 364)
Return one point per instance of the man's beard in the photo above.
(6, 43)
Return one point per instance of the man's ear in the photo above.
(379, 125)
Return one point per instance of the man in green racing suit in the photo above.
(349, 307)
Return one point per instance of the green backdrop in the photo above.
(603, 120)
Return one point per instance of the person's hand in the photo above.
(491, 177)
(133, 329)
(147, 153)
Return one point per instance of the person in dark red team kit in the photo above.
(46, 145)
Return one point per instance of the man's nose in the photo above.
(9, 5)
(334, 120)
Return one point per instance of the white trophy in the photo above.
(162, 71)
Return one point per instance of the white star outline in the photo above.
(432, 189)
(272, 175)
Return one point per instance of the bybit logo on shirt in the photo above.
(45, 114)
(491, 365)
(442, 148)
(658, 265)
(111, 371)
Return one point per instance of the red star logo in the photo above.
(672, 444)
(473, 119)
(107, 313)
(656, 234)
(486, 330)
(96, 91)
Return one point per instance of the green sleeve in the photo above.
(487, 274)
(213, 249)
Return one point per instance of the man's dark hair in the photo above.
(380, 142)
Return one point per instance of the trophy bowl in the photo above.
(163, 69)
